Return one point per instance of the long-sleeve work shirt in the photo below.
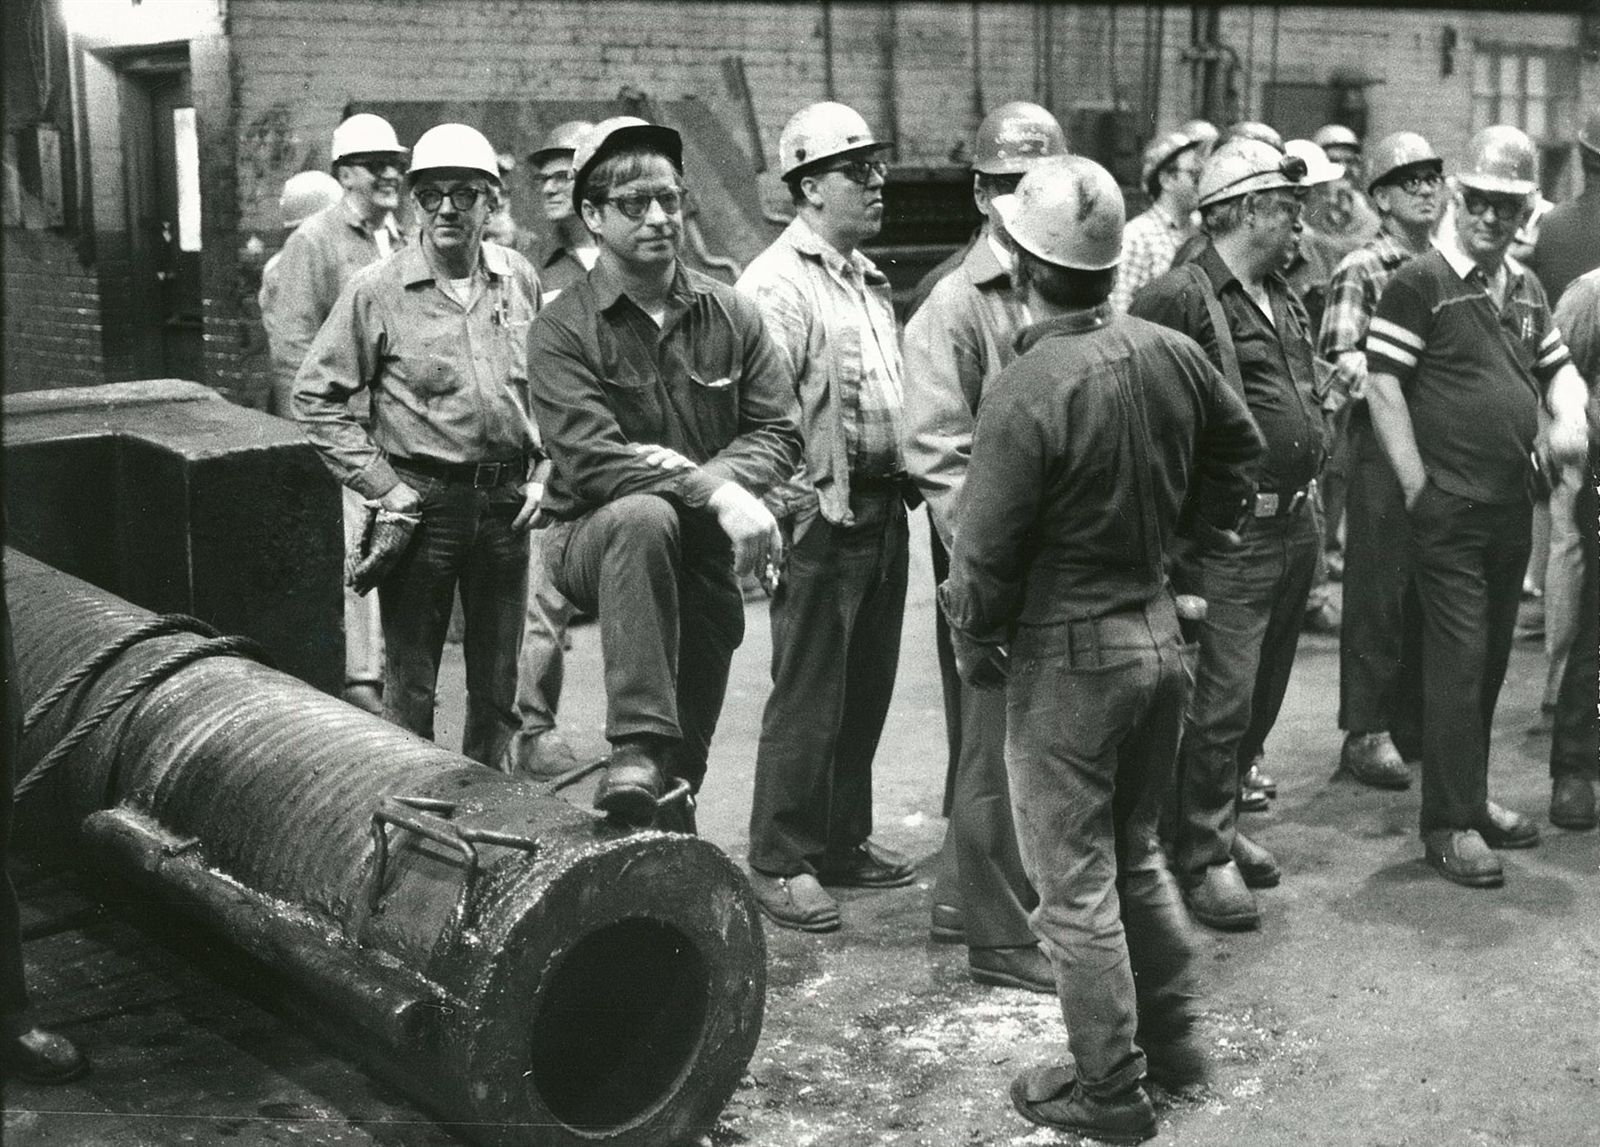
(449, 382)
(708, 383)
(1084, 454)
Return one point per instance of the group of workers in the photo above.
(1124, 432)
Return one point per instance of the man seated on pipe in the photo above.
(667, 411)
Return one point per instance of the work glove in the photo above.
(383, 541)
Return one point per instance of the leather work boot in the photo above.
(40, 1056)
(1025, 967)
(1178, 1063)
(868, 865)
(1222, 900)
(630, 787)
(1502, 828)
(1258, 866)
(1462, 856)
(546, 756)
(797, 902)
(1572, 802)
(949, 924)
(1257, 780)
(1372, 759)
(1049, 1095)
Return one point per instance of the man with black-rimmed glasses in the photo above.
(667, 412)
(438, 334)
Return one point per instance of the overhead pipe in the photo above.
(525, 968)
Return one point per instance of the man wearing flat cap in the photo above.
(667, 412)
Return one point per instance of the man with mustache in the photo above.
(438, 334)
(317, 261)
(668, 412)
(1462, 352)
(836, 615)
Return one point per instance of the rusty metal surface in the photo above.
(517, 963)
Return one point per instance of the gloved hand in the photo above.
(383, 541)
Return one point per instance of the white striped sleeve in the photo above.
(1390, 343)
(1553, 354)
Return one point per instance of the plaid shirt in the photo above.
(1149, 244)
(1353, 294)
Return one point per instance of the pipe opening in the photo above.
(619, 1020)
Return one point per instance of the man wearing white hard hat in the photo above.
(1345, 215)
(1086, 451)
(437, 334)
(304, 194)
(1234, 301)
(1152, 238)
(1380, 641)
(668, 412)
(955, 345)
(298, 291)
(1462, 353)
(837, 613)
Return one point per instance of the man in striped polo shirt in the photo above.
(1461, 352)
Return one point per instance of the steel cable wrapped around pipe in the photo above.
(532, 972)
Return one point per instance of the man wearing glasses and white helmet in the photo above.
(837, 615)
(667, 412)
(438, 334)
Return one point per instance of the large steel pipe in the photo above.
(522, 967)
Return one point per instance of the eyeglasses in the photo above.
(637, 205)
(564, 176)
(1416, 181)
(380, 165)
(461, 198)
(1505, 206)
(859, 171)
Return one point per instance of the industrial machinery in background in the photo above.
(528, 970)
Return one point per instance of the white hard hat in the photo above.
(1241, 166)
(454, 145)
(306, 193)
(609, 136)
(1067, 210)
(822, 131)
(1500, 159)
(1319, 168)
(1336, 135)
(364, 134)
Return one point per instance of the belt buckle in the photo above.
(1297, 501)
(492, 469)
(1267, 504)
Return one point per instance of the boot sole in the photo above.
(1574, 824)
(1007, 980)
(633, 806)
(814, 926)
(1227, 923)
(1392, 784)
(1466, 880)
(940, 934)
(1087, 1130)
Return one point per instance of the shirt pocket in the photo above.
(715, 402)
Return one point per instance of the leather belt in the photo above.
(480, 475)
(1282, 503)
(879, 483)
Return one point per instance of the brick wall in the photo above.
(52, 314)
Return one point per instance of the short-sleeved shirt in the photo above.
(1275, 360)
(1473, 375)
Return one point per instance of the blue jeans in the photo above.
(1256, 599)
(1094, 711)
(466, 541)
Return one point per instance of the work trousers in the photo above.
(660, 581)
(1380, 642)
(836, 620)
(983, 871)
(949, 680)
(1575, 740)
(1469, 559)
(13, 983)
(1094, 711)
(363, 627)
(541, 666)
(465, 541)
(1255, 598)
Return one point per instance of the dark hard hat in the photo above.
(1396, 152)
(610, 135)
(1014, 137)
(562, 137)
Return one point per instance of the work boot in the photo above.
(1177, 1063)
(1462, 856)
(949, 925)
(868, 865)
(1258, 866)
(1502, 828)
(1572, 802)
(366, 696)
(1372, 759)
(1220, 899)
(1257, 780)
(631, 786)
(1025, 967)
(40, 1056)
(545, 755)
(797, 902)
(1049, 1095)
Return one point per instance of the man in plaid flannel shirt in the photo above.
(1379, 637)
(836, 615)
(1151, 239)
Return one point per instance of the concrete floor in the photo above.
(1378, 1004)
